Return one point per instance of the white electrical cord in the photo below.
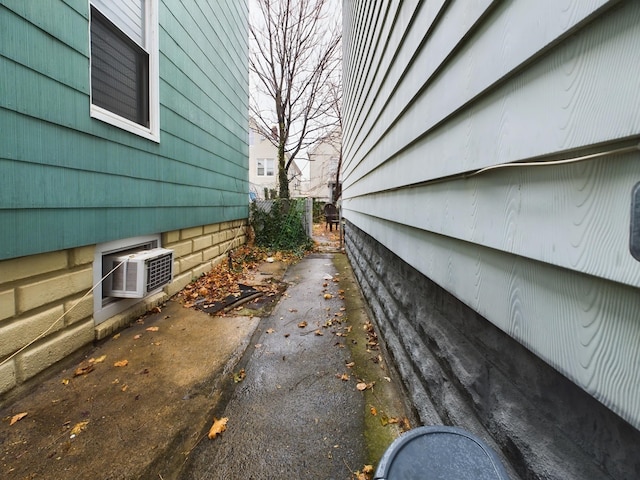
(233, 240)
(556, 162)
(60, 317)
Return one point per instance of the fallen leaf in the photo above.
(137, 337)
(239, 376)
(367, 469)
(344, 377)
(152, 329)
(365, 386)
(350, 364)
(79, 427)
(318, 333)
(83, 370)
(65, 381)
(327, 296)
(124, 388)
(121, 363)
(116, 336)
(270, 330)
(219, 426)
(17, 417)
(302, 324)
(406, 426)
(98, 360)
(156, 310)
(373, 411)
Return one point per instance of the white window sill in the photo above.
(111, 118)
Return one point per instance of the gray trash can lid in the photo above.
(439, 453)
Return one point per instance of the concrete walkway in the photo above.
(292, 417)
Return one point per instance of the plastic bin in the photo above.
(439, 453)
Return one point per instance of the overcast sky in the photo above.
(266, 102)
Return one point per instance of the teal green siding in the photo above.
(68, 180)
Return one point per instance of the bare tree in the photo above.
(296, 46)
(335, 136)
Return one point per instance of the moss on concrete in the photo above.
(386, 397)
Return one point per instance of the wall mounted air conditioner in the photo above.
(138, 273)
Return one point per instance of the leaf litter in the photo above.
(225, 281)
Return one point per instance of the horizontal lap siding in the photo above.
(541, 252)
(83, 181)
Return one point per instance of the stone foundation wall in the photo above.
(39, 298)
(461, 370)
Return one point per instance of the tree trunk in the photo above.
(283, 178)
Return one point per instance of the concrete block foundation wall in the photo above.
(40, 293)
(198, 249)
(461, 370)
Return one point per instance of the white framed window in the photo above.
(124, 65)
(266, 167)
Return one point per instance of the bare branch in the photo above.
(296, 52)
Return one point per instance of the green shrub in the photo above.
(318, 211)
(280, 227)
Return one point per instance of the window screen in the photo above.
(119, 71)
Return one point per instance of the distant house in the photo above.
(263, 166)
(323, 167)
(124, 128)
(492, 203)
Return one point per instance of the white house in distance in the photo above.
(263, 166)
(323, 167)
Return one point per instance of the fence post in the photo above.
(307, 218)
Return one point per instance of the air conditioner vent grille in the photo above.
(159, 271)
